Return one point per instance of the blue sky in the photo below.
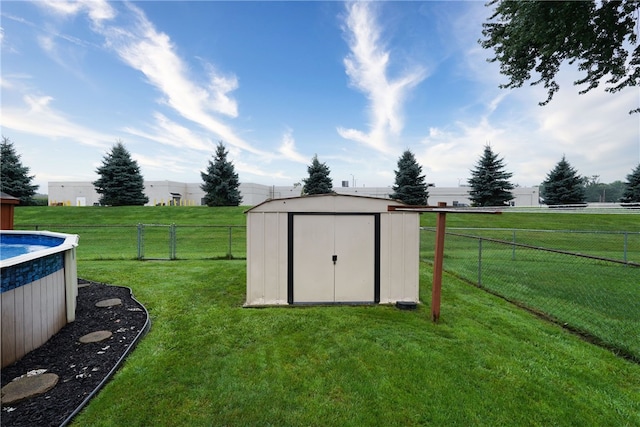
(277, 82)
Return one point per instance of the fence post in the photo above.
(480, 262)
(172, 241)
(229, 254)
(438, 257)
(140, 241)
(626, 235)
(513, 249)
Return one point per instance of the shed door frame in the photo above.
(376, 249)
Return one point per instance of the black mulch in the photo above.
(81, 367)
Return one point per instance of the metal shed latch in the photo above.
(334, 258)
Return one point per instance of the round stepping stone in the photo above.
(95, 337)
(26, 387)
(109, 302)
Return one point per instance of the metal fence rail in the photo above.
(156, 241)
(595, 295)
(587, 281)
(620, 245)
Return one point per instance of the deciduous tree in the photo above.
(632, 187)
(221, 184)
(15, 179)
(120, 182)
(537, 37)
(489, 181)
(319, 181)
(598, 192)
(410, 186)
(563, 185)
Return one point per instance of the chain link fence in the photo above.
(157, 241)
(588, 282)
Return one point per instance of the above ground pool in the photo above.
(38, 288)
(13, 245)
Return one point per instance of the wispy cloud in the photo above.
(367, 67)
(66, 59)
(151, 52)
(50, 122)
(97, 10)
(170, 133)
(288, 148)
(141, 46)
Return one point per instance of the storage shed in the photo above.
(331, 249)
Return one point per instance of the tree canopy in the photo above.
(489, 181)
(599, 192)
(410, 186)
(632, 187)
(120, 182)
(319, 181)
(221, 184)
(563, 185)
(14, 177)
(537, 37)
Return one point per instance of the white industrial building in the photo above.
(74, 193)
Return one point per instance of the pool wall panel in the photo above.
(38, 293)
(31, 314)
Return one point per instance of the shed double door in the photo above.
(333, 258)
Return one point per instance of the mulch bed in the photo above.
(81, 367)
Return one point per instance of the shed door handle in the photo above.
(334, 258)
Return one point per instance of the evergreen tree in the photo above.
(632, 187)
(410, 186)
(489, 182)
(319, 181)
(120, 182)
(563, 186)
(15, 179)
(221, 181)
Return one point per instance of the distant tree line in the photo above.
(120, 181)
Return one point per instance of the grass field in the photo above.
(131, 216)
(596, 297)
(208, 361)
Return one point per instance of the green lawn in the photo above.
(543, 220)
(208, 361)
(597, 298)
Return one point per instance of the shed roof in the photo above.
(331, 202)
(8, 198)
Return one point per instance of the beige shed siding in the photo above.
(267, 258)
(400, 246)
(268, 240)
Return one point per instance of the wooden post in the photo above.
(7, 203)
(437, 263)
(438, 256)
